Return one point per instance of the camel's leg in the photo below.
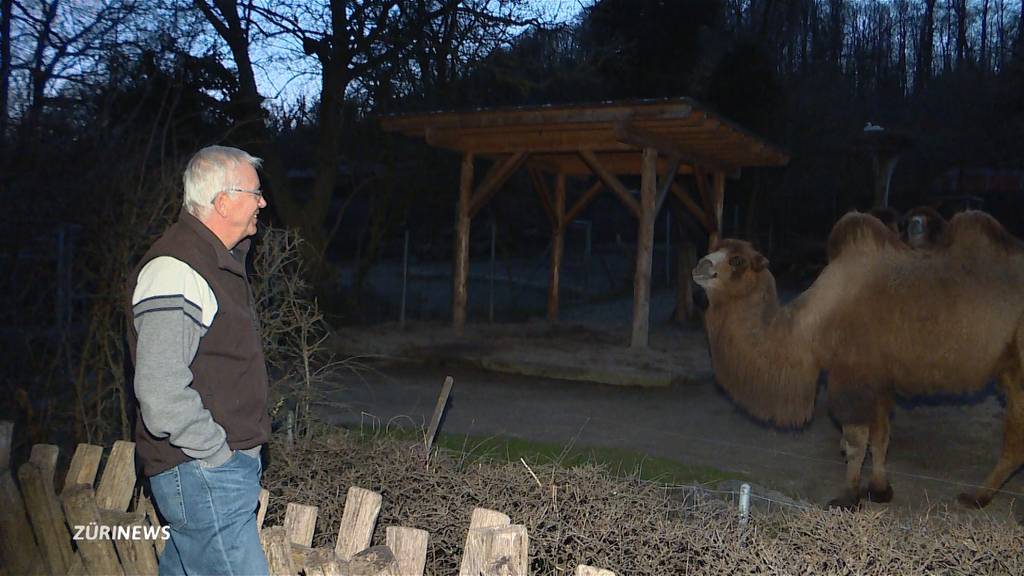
(855, 438)
(879, 489)
(1012, 456)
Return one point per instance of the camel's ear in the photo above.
(758, 263)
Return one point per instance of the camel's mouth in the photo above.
(704, 272)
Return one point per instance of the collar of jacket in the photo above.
(225, 261)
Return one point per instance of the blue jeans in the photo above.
(211, 513)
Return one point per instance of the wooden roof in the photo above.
(614, 131)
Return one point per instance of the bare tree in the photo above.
(353, 44)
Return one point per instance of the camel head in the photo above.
(733, 268)
(925, 227)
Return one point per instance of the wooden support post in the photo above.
(98, 554)
(118, 482)
(357, 521)
(300, 523)
(496, 551)
(84, 465)
(687, 259)
(18, 550)
(557, 245)
(409, 546)
(6, 441)
(540, 186)
(460, 262)
(584, 570)
(717, 203)
(644, 250)
(44, 511)
(278, 550)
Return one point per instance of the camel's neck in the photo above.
(761, 358)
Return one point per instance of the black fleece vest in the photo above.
(229, 370)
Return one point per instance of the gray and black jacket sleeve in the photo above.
(173, 307)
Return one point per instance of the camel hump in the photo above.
(857, 231)
(976, 230)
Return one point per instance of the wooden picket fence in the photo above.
(38, 525)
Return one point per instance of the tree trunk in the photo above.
(983, 55)
(925, 48)
(5, 66)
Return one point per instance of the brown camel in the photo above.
(882, 320)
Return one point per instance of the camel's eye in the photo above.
(737, 261)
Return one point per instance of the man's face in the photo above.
(244, 203)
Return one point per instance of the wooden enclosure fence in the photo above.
(109, 527)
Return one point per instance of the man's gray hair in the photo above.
(209, 173)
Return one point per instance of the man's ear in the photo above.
(220, 205)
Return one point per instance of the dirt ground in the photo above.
(510, 381)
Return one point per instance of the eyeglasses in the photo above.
(257, 192)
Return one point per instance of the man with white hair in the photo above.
(200, 375)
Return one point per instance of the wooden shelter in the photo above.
(656, 139)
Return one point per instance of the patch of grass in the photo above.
(618, 461)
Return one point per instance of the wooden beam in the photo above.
(538, 116)
(495, 181)
(666, 181)
(618, 163)
(700, 176)
(691, 205)
(583, 202)
(611, 181)
(557, 243)
(644, 252)
(534, 140)
(628, 133)
(461, 256)
(717, 202)
(541, 188)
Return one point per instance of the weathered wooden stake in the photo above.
(435, 419)
(18, 550)
(115, 489)
(84, 465)
(357, 521)
(45, 513)
(496, 552)
(137, 554)
(278, 550)
(98, 554)
(261, 514)
(409, 545)
(300, 523)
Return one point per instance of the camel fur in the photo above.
(883, 320)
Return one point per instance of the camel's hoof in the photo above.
(845, 502)
(970, 501)
(880, 496)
